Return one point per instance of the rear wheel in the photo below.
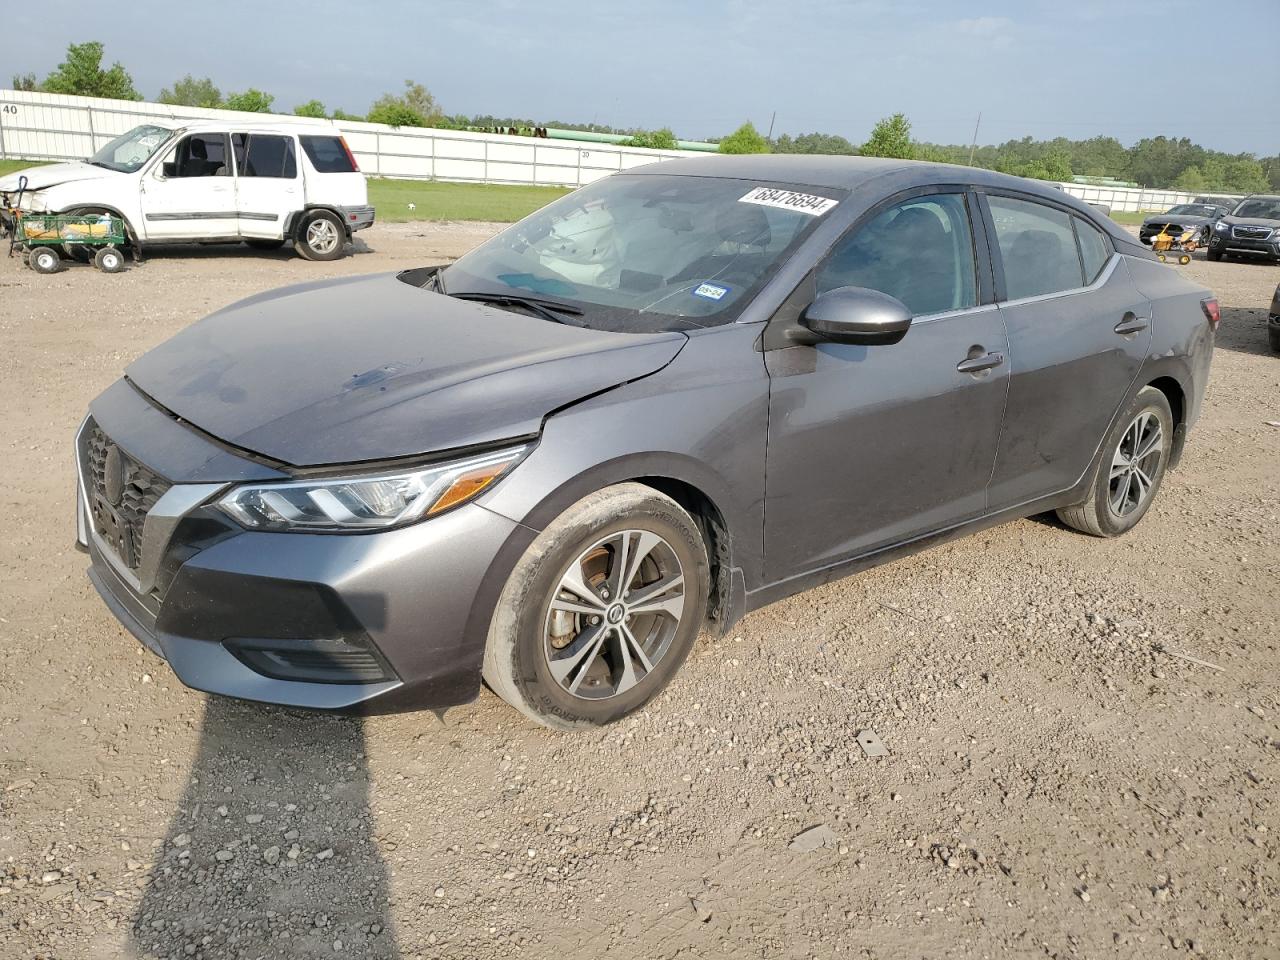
(1132, 467)
(321, 236)
(109, 260)
(601, 610)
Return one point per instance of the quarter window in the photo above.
(1037, 248)
(264, 155)
(920, 251)
(1094, 249)
(327, 154)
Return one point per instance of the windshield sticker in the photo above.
(789, 200)
(711, 291)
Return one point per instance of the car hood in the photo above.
(1251, 222)
(1189, 219)
(55, 173)
(372, 368)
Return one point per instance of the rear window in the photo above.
(328, 154)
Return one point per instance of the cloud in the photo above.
(984, 26)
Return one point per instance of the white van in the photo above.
(266, 182)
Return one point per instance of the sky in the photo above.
(1039, 68)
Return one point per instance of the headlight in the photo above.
(367, 502)
(1220, 227)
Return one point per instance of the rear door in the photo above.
(873, 445)
(190, 194)
(1079, 331)
(268, 185)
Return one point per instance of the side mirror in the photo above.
(854, 315)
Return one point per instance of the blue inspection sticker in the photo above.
(712, 291)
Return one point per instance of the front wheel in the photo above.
(1134, 461)
(321, 236)
(1214, 255)
(44, 260)
(601, 611)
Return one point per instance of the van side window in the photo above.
(265, 155)
(1037, 247)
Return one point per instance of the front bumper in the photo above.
(1221, 241)
(370, 622)
(357, 218)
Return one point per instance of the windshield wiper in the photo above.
(547, 309)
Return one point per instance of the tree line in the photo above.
(1153, 161)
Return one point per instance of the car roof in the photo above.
(250, 122)
(849, 173)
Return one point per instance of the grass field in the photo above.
(436, 200)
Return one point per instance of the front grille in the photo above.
(1243, 232)
(121, 492)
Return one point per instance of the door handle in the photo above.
(980, 363)
(1130, 324)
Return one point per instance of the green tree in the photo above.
(81, 74)
(416, 107)
(340, 114)
(662, 139)
(824, 143)
(891, 137)
(190, 92)
(25, 81)
(312, 108)
(1191, 180)
(746, 139)
(1243, 174)
(251, 101)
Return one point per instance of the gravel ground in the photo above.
(1061, 781)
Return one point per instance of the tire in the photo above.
(593, 682)
(109, 260)
(1118, 498)
(1273, 338)
(321, 236)
(1214, 255)
(44, 260)
(264, 244)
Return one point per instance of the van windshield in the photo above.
(645, 252)
(129, 151)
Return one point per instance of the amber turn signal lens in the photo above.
(467, 486)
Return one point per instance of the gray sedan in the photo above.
(665, 400)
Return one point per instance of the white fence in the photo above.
(45, 126)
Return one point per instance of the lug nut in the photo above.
(594, 621)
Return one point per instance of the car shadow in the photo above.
(234, 251)
(1244, 330)
(271, 851)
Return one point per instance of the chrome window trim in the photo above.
(948, 314)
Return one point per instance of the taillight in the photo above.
(1212, 312)
(355, 167)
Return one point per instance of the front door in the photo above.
(268, 187)
(1078, 334)
(190, 194)
(874, 445)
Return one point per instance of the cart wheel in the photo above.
(109, 260)
(1161, 256)
(1184, 259)
(44, 260)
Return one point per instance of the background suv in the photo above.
(264, 182)
(1252, 229)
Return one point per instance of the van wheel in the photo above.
(265, 244)
(1134, 460)
(601, 611)
(321, 236)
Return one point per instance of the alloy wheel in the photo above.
(1135, 464)
(322, 236)
(613, 614)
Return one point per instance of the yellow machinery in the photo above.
(1180, 247)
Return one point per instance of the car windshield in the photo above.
(1263, 208)
(640, 253)
(1192, 210)
(129, 151)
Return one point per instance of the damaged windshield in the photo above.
(129, 151)
(645, 252)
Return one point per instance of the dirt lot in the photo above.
(1059, 785)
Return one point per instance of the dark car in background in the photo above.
(664, 400)
(1252, 230)
(1199, 217)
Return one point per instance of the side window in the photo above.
(1037, 247)
(328, 154)
(199, 155)
(920, 251)
(265, 155)
(1094, 248)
